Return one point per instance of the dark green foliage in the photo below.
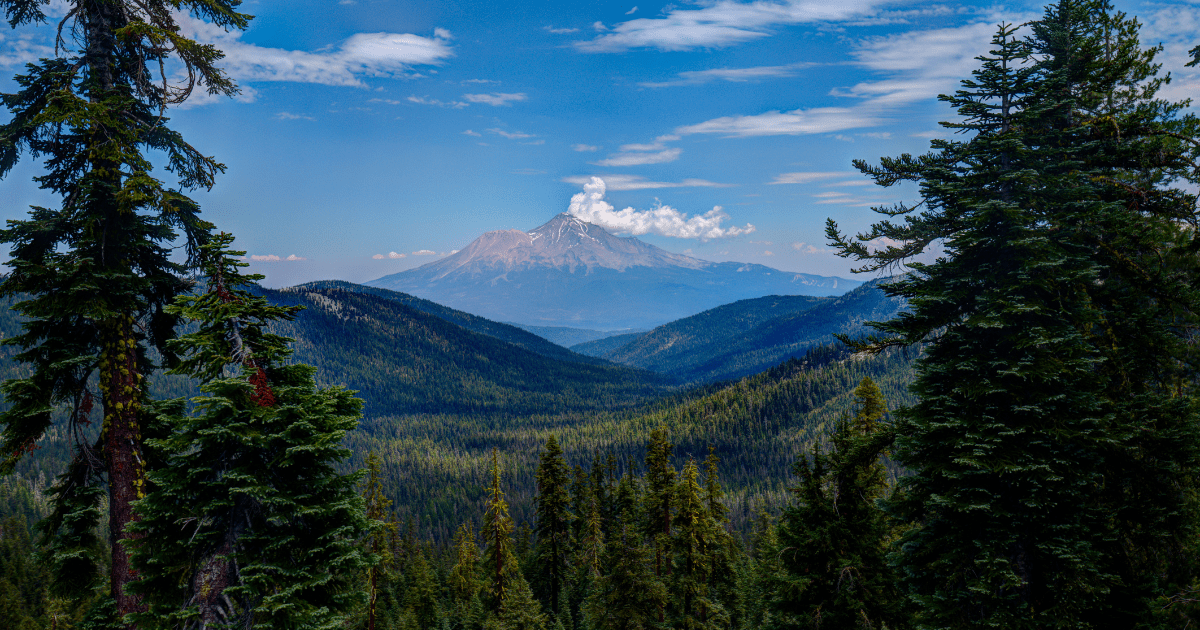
(404, 361)
(1055, 442)
(627, 595)
(833, 540)
(747, 337)
(101, 261)
(519, 336)
(249, 521)
(554, 520)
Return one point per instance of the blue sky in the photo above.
(373, 136)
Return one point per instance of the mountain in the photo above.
(516, 335)
(567, 337)
(405, 361)
(749, 336)
(572, 273)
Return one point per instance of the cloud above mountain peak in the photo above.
(590, 206)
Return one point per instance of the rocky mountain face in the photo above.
(572, 273)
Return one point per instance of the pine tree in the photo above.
(249, 522)
(628, 595)
(98, 268)
(463, 585)
(380, 539)
(833, 541)
(659, 502)
(696, 547)
(554, 521)
(1055, 441)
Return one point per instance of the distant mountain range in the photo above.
(748, 336)
(572, 273)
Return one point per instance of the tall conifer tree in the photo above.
(554, 520)
(1055, 440)
(98, 267)
(833, 541)
(249, 523)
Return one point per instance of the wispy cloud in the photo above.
(390, 255)
(722, 23)
(472, 133)
(18, 49)
(496, 99)
(637, 159)
(291, 116)
(560, 31)
(918, 65)
(794, 123)
(361, 55)
(590, 206)
(808, 249)
(631, 11)
(274, 258)
(511, 135)
(583, 148)
(637, 182)
(733, 75)
(655, 152)
(425, 100)
(424, 252)
(809, 177)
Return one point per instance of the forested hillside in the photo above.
(436, 463)
(517, 335)
(405, 361)
(750, 336)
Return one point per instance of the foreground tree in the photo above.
(833, 541)
(249, 522)
(97, 268)
(553, 525)
(1055, 442)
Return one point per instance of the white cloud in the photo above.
(291, 116)
(590, 206)
(360, 55)
(16, 50)
(793, 123)
(768, 253)
(599, 26)
(584, 147)
(805, 248)
(294, 258)
(637, 182)
(733, 75)
(639, 158)
(917, 66)
(425, 100)
(631, 11)
(266, 258)
(511, 135)
(472, 133)
(387, 101)
(424, 252)
(560, 31)
(808, 178)
(722, 23)
(496, 99)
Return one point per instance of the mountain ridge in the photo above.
(568, 272)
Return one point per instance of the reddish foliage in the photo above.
(262, 396)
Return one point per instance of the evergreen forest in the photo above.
(1003, 432)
